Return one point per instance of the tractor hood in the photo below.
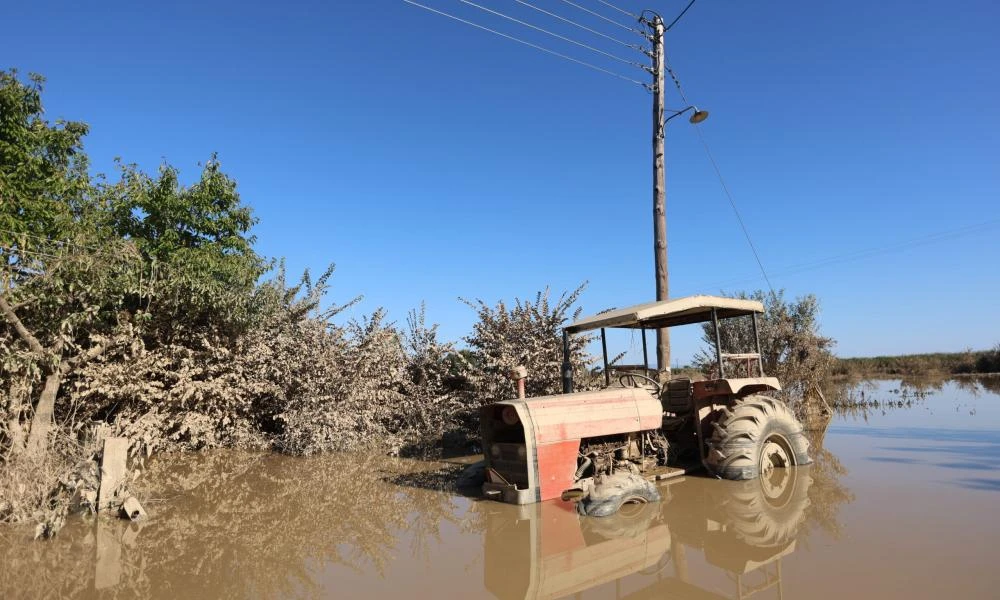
(581, 415)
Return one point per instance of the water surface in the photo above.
(901, 502)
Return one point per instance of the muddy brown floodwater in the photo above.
(901, 502)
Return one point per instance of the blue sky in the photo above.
(430, 160)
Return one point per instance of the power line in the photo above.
(555, 35)
(621, 10)
(732, 203)
(829, 260)
(11, 251)
(526, 43)
(718, 172)
(583, 27)
(602, 17)
(932, 238)
(678, 17)
(904, 245)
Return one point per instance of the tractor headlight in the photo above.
(495, 451)
(522, 453)
(509, 415)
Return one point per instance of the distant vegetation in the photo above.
(957, 363)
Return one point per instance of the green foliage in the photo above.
(791, 347)
(197, 246)
(144, 262)
(62, 276)
(43, 170)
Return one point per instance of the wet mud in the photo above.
(899, 503)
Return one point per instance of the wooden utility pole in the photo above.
(660, 196)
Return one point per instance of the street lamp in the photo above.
(697, 117)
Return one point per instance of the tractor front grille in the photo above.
(509, 460)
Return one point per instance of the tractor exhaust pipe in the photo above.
(519, 374)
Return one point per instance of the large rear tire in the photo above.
(758, 435)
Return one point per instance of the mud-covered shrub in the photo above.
(296, 381)
(352, 398)
(436, 411)
(38, 487)
(792, 348)
(387, 388)
(529, 334)
(171, 397)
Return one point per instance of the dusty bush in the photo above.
(529, 334)
(138, 303)
(351, 400)
(387, 388)
(295, 382)
(435, 411)
(37, 487)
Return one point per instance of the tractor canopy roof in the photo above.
(668, 313)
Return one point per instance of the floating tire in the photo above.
(613, 491)
(758, 435)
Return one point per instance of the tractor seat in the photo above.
(676, 397)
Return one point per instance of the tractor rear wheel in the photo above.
(757, 436)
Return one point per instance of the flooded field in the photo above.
(901, 502)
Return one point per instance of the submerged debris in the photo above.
(131, 509)
(472, 476)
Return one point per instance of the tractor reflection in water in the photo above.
(604, 449)
(741, 529)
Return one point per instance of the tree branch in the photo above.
(27, 302)
(32, 341)
(81, 359)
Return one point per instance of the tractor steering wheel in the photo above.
(629, 380)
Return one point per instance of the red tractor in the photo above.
(604, 448)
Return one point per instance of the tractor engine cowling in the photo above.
(531, 446)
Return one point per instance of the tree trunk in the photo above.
(41, 422)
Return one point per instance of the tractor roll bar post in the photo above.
(604, 351)
(756, 337)
(567, 367)
(645, 356)
(718, 344)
